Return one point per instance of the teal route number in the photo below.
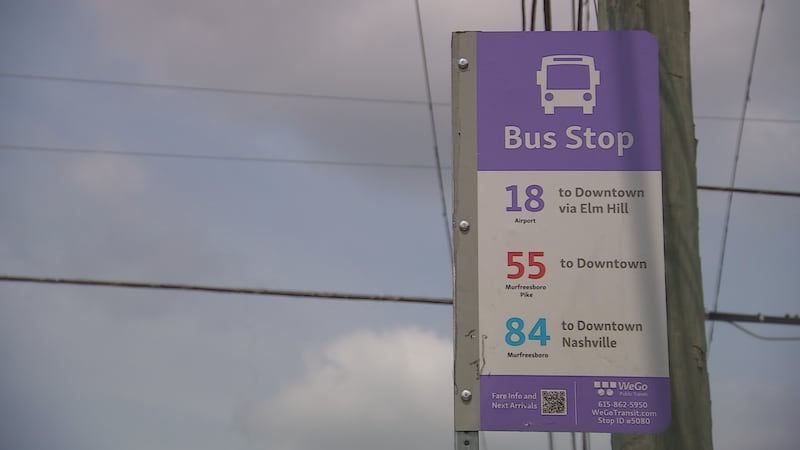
(516, 332)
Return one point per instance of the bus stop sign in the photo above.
(560, 305)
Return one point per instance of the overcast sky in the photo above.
(347, 202)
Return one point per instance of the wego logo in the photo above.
(568, 81)
(628, 386)
(605, 388)
(609, 388)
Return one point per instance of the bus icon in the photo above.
(568, 81)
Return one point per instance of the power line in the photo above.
(572, 15)
(749, 191)
(225, 290)
(263, 93)
(735, 170)
(548, 16)
(92, 151)
(711, 316)
(533, 14)
(265, 159)
(532, 26)
(787, 319)
(433, 129)
(747, 119)
(219, 90)
(588, 16)
(765, 338)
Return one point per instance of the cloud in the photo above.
(363, 390)
(738, 405)
(101, 176)
(335, 48)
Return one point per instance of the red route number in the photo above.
(515, 261)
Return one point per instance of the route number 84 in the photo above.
(516, 336)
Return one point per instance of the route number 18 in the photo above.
(533, 198)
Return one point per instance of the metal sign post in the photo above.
(560, 315)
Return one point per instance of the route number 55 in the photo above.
(535, 269)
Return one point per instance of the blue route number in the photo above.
(515, 336)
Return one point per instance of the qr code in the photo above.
(554, 402)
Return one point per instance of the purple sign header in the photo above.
(568, 101)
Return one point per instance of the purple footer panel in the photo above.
(574, 403)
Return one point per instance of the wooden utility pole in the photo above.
(690, 428)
